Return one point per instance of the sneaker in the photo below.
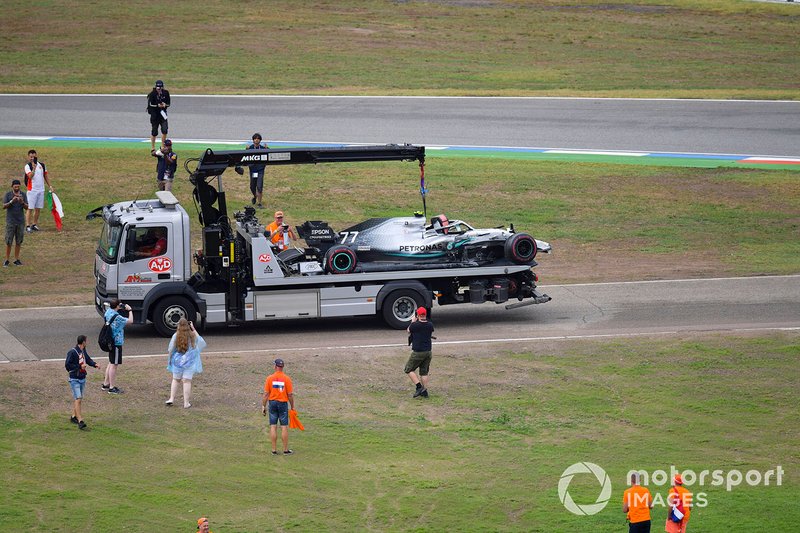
(73, 419)
(424, 393)
(115, 390)
(35, 227)
(168, 402)
(260, 206)
(28, 229)
(287, 452)
(420, 391)
(253, 201)
(187, 406)
(18, 262)
(274, 452)
(6, 263)
(105, 387)
(81, 425)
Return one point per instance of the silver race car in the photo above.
(408, 243)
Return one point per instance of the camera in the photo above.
(285, 226)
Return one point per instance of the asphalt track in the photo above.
(650, 308)
(639, 125)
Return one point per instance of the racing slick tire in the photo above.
(340, 260)
(520, 248)
(168, 311)
(399, 307)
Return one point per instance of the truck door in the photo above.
(148, 258)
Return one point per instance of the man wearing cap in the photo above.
(680, 498)
(202, 525)
(257, 173)
(166, 166)
(279, 232)
(157, 103)
(15, 202)
(636, 504)
(420, 332)
(278, 392)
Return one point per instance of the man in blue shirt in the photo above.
(117, 323)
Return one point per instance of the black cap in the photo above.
(159, 83)
(15, 182)
(168, 142)
(279, 363)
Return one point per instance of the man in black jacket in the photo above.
(157, 104)
(420, 332)
(76, 363)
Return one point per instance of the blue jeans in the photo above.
(77, 386)
(278, 410)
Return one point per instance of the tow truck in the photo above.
(144, 258)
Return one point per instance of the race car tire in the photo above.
(520, 248)
(340, 260)
(399, 307)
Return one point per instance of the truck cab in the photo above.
(143, 252)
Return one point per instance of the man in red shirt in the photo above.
(278, 392)
(636, 504)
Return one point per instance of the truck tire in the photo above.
(399, 307)
(340, 260)
(169, 311)
(520, 248)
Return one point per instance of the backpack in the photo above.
(106, 338)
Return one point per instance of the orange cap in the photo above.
(678, 479)
(201, 520)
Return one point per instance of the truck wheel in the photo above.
(340, 260)
(169, 311)
(520, 248)
(399, 307)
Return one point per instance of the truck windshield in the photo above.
(108, 245)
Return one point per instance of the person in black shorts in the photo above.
(157, 103)
(420, 332)
(118, 323)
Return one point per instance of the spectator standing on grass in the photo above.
(36, 177)
(280, 233)
(157, 103)
(15, 202)
(278, 392)
(118, 323)
(76, 363)
(184, 360)
(636, 504)
(166, 166)
(421, 332)
(257, 173)
(679, 498)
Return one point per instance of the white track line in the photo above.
(473, 341)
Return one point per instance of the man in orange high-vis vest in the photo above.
(278, 393)
(636, 504)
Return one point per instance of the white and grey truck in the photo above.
(144, 257)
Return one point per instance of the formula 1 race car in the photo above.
(410, 243)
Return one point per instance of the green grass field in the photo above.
(675, 48)
(606, 222)
(484, 453)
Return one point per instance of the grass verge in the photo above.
(675, 48)
(606, 222)
(485, 453)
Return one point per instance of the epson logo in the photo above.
(320, 232)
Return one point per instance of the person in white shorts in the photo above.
(36, 176)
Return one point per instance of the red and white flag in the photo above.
(56, 209)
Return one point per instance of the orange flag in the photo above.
(294, 422)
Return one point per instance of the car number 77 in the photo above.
(348, 234)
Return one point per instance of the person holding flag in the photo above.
(278, 392)
(35, 177)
